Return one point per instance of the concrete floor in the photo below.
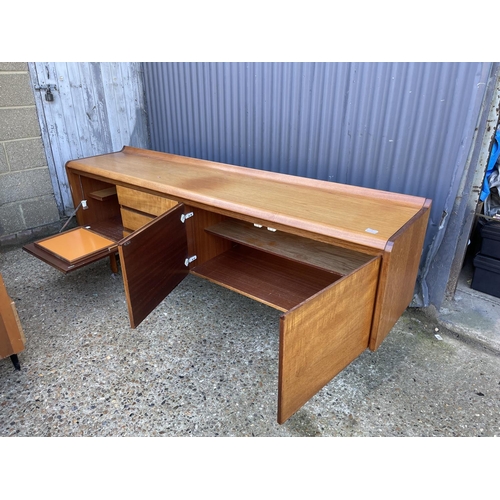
(205, 363)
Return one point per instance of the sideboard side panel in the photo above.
(398, 275)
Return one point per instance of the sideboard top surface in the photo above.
(363, 216)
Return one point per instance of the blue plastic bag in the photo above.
(495, 152)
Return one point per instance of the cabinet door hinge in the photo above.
(189, 260)
(186, 216)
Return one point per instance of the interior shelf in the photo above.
(297, 248)
(104, 194)
(275, 281)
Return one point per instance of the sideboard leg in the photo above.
(15, 361)
(113, 263)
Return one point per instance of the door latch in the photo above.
(49, 96)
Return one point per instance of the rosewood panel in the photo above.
(152, 262)
(200, 242)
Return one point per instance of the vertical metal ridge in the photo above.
(375, 124)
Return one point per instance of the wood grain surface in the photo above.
(152, 260)
(277, 282)
(290, 246)
(144, 202)
(320, 337)
(12, 338)
(361, 216)
(398, 273)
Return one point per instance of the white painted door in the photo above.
(87, 109)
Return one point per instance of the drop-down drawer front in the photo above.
(73, 249)
(152, 259)
(99, 230)
(113, 212)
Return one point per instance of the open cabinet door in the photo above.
(152, 260)
(321, 336)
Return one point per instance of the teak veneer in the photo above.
(12, 338)
(340, 262)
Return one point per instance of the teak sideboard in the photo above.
(339, 261)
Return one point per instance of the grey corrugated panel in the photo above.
(404, 127)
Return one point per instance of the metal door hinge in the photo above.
(186, 216)
(189, 260)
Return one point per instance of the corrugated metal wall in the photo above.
(404, 127)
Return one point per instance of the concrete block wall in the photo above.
(27, 204)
